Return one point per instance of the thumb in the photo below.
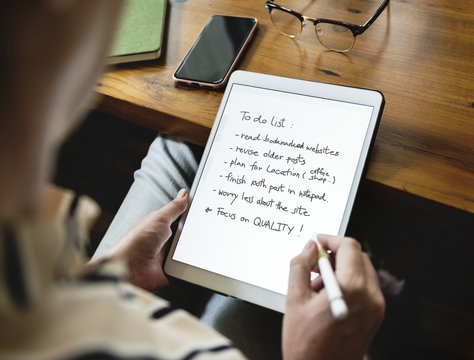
(171, 211)
(300, 272)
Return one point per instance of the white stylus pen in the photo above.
(338, 305)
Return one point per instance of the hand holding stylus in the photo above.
(338, 305)
(310, 330)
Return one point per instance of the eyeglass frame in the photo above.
(355, 29)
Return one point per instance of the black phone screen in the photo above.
(216, 48)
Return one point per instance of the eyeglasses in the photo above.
(334, 35)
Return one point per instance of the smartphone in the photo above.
(215, 52)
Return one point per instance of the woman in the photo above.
(55, 306)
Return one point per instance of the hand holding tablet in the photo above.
(283, 160)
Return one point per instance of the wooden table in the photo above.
(418, 53)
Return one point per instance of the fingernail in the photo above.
(308, 246)
(181, 194)
(325, 236)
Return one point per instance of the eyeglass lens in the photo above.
(332, 36)
(335, 37)
(286, 23)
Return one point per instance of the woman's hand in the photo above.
(309, 329)
(143, 246)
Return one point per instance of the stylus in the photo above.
(338, 305)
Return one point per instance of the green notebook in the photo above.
(140, 31)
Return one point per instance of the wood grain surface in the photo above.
(419, 54)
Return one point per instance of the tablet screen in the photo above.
(280, 167)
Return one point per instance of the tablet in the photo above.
(283, 160)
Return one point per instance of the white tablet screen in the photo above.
(280, 167)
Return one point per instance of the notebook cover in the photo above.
(140, 31)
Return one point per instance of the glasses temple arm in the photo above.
(376, 15)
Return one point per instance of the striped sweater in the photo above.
(50, 310)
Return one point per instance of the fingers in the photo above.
(333, 242)
(171, 211)
(355, 272)
(349, 260)
(317, 283)
(300, 272)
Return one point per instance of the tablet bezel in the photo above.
(235, 288)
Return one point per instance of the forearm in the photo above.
(169, 166)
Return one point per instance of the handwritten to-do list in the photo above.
(280, 167)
